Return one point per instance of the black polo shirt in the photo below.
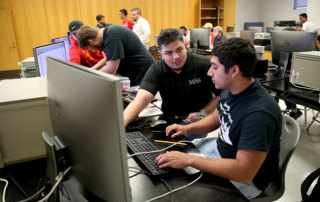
(182, 93)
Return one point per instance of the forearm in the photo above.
(133, 110)
(211, 106)
(100, 64)
(203, 126)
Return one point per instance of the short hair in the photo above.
(168, 36)
(137, 10)
(85, 33)
(237, 51)
(289, 29)
(184, 28)
(99, 16)
(124, 11)
(218, 28)
(304, 15)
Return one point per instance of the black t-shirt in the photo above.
(220, 40)
(99, 26)
(181, 93)
(122, 43)
(251, 120)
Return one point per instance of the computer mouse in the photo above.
(159, 125)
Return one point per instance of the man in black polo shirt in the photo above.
(124, 52)
(182, 80)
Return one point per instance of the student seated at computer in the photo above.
(208, 25)
(182, 81)
(83, 56)
(249, 121)
(186, 34)
(218, 35)
(124, 51)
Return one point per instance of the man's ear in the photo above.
(235, 71)
(90, 41)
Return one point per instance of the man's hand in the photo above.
(317, 42)
(176, 130)
(193, 117)
(173, 159)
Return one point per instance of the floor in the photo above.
(304, 160)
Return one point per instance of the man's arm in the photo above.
(242, 169)
(111, 66)
(146, 32)
(100, 64)
(142, 99)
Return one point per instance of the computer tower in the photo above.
(261, 42)
(305, 69)
(261, 68)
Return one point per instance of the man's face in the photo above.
(185, 32)
(216, 34)
(302, 19)
(135, 17)
(95, 44)
(102, 21)
(218, 75)
(298, 28)
(174, 55)
(121, 15)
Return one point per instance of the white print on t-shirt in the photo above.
(194, 81)
(224, 128)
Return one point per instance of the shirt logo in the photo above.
(73, 27)
(194, 81)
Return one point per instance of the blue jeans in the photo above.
(208, 146)
(192, 136)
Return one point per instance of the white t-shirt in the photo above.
(308, 27)
(187, 37)
(142, 29)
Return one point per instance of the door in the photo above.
(9, 56)
(230, 7)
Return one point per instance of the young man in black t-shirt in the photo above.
(124, 52)
(182, 81)
(247, 149)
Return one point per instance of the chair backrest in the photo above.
(289, 141)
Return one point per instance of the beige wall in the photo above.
(37, 21)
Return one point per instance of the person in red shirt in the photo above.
(126, 22)
(83, 56)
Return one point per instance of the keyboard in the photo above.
(137, 143)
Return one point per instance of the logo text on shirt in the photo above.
(194, 81)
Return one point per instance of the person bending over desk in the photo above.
(181, 78)
(120, 44)
(247, 149)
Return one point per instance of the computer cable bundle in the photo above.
(307, 88)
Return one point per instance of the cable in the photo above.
(308, 88)
(36, 194)
(186, 141)
(153, 199)
(137, 173)
(60, 175)
(18, 186)
(139, 127)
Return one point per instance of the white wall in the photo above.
(313, 12)
(247, 11)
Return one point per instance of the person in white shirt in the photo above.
(308, 26)
(186, 34)
(141, 27)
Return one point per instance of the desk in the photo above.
(280, 86)
(23, 117)
(208, 188)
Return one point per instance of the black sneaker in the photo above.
(296, 115)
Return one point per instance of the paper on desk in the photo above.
(150, 110)
(194, 151)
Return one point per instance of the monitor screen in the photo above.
(86, 113)
(200, 38)
(255, 29)
(268, 29)
(67, 43)
(40, 53)
(244, 34)
(290, 42)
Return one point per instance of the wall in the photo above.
(272, 10)
(313, 12)
(247, 11)
(38, 21)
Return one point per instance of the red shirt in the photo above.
(212, 38)
(83, 56)
(128, 23)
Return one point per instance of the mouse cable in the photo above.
(184, 141)
(153, 199)
(143, 126)
(164, 182)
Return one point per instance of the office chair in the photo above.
(314, 196)
(289, 141)
(154, 52)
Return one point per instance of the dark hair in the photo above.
(99, 16)
(237, 51)
(168, 36)
(124, 11)
(289, 29)
(279, 24)
(304, 15)
(184, 28)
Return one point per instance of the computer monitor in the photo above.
(230, 29)
(200, 38)
(268, 29)
(255, 29)
(40, 53)
(86, 110)
(245, 34)
(67, 44)
(290, 42)
(181, 31)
